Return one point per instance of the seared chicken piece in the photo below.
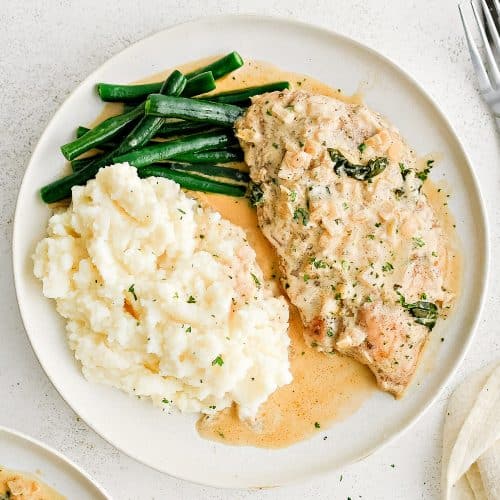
(362, 254)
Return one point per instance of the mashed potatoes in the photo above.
(163, 298)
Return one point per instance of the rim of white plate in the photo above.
(484, 219)
(58, 455)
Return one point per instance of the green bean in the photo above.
(165, 150)
(111, 144)
(81, 131)
(213, 171)
(178, 127)
(200, 84)
(211, 156)
(101, 133)
(192, 182)
(197, 157)
(220, 67)
(192, 109)
(61, 188)
(241, 97)
(83, 162)
(144, 130)
(148, 126)
(168, 129)
(111, 92)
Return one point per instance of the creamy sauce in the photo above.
(325, 388)
(18, 485)
(438, 195)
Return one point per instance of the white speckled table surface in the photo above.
(49, 47)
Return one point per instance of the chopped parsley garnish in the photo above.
(345, 205)
(191, 300)
(256, 194)
(318, 264)
(329, 332)
(398, 193)
(362, 147)
(434, 254)
(301, 213)
(188, 329)
(370, 236)
(344, 264)
(418, 242)
(275, 146)
(378, 224)
(423, 174)
(316, 424)
(269, 112)
(292, 195)
(256, 280)
(404, 171)
(387, 267)
(218, 361)
(181, 211)
(132, 291)
(338, 296)
(306, 278)
(165, 401)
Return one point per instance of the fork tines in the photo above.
(489, 72)
(494, 8)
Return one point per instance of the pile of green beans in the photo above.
(175, 129)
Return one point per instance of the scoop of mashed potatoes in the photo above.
(162, 297)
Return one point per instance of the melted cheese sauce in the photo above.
(18, 485)
(325, 387)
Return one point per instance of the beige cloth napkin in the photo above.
(471, 440)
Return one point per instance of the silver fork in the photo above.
(488, 73)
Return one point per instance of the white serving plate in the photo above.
(170, 443)
(21, 453)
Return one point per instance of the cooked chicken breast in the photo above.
(362, 253)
